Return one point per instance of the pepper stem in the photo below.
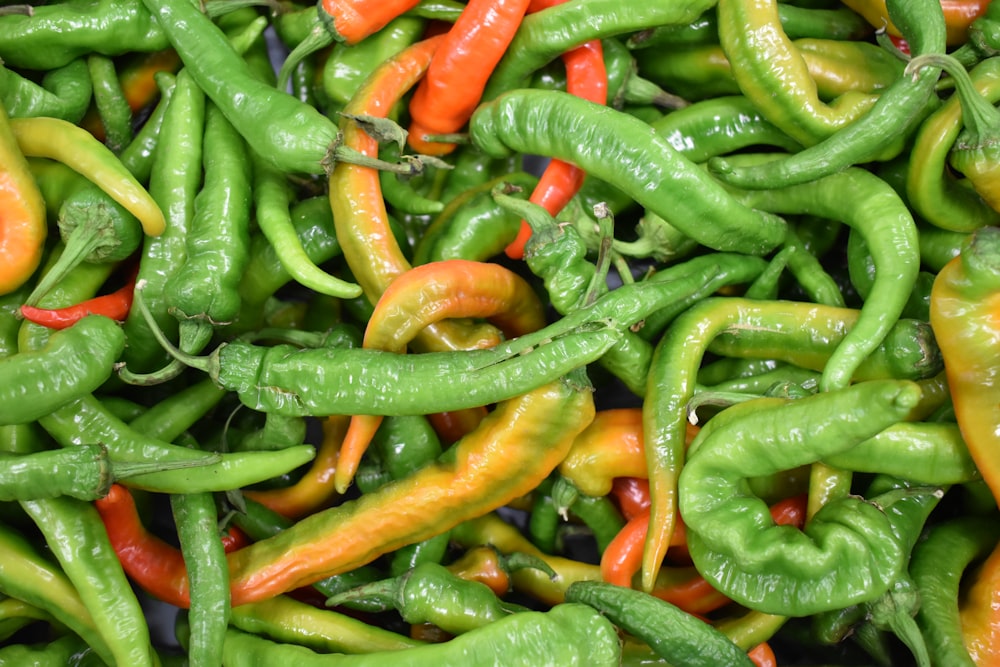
(190, 360)
(85, 238)
(194, 336)
(606, 231)
(317, 38)
(980, 118)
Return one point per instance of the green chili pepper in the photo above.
(170, 417)
(598, 513)
(568, 634)
(718, 126)
(771, 72)
(286, 619)
(174, 182)
(54, 35)
(208, 575)
(704, 212)
(85, 421)
(74, 361)
(85, 472)
(431, 593)
(897, 109)
(64, 92)
(886, 224)
(546, 35)
(298, 138)
(66, 650)
(109, 99)
(348, 66)
(937, 566)
(28, 575)
(675, 635)
(776, 569)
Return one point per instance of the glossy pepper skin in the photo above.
(569, 634)
(964, 302)
(543, 422)
(673, 634)
(24, 225)
(645, 166)
(776, 569)
(74, 362)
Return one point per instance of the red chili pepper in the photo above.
(453, 85)
(451, 426)
(632, 495)
(586, 77)
(115, 305)
(155, 565)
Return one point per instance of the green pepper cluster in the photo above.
(740, 410)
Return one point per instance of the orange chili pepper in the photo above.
(138, 82)
(612, 446)
(980, 613)
(360, 219)
(958, 16)
(514, 448)
(315, 488)
(586, 77)
(351, 21)
(762, 655)
(23, 226)
(430, 293)
(483, 564)
(453, 86)
(965, 317)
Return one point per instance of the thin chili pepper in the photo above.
(963, 306)
(109, 100)
(24, 225)
(60, 140)
(298, 139)
(769, 71)
(361, 222)
(27, 575)
(572, 634)
(114, 306)
(938, 565)
(74, 532)
(545, 35)
(85, 473)
(137, 78)
(174, 182)
(972, 154)
(899, 106)
(706, 212)
(347, 66)
(472, 225)
(430, 293)
(444, 499)
(171, 416)
(315, 488)
(53, 35)
(586, 77)
(449, 91)
(958, 16)
(672, 633)
(431, 593)
(64, 92)
(286, 619)
(889, 230)
(809, 583)
(204, 559)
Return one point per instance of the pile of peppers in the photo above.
(520, 332)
